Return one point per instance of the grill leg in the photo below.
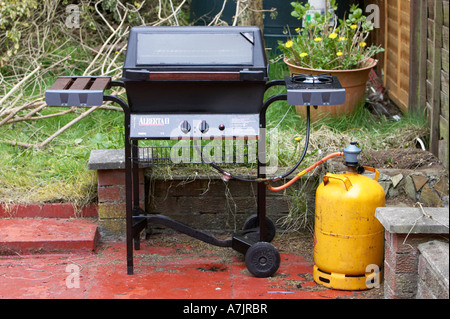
(135, 169)
(129, 207)
(261, 187)
(128, 195)
(128, 180)
(262, 211)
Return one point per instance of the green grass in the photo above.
(59, 171)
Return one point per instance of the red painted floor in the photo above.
(168, 267)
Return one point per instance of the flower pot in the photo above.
(353, 81)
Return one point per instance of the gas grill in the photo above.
(197, 84)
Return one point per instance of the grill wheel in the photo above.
(252, 222)
(262, 259)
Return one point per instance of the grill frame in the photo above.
(247, 87)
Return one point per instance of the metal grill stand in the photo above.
(263, 260)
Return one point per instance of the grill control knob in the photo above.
(185, 127)
(204, 127)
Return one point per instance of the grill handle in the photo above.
(137, 75)
(247, 75)
(145, 75)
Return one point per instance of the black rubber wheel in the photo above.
(262, 259)
(253, 222)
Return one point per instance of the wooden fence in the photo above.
(429, 70)
(397, 47)
(415, 35)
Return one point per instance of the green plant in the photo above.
(328, 43)
(14, 16)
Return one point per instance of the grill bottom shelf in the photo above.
(187, 152)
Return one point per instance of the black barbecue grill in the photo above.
(197, 84)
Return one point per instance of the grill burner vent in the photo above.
(314, 90)
(325, 78)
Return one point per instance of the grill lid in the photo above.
(195, 53)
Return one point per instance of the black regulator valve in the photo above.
(351, 153)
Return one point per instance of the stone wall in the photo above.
(430, 186)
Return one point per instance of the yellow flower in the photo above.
(303, 54)
(297, 30)
(362, 44)
(339, 53)
(289, 44)
(318, 39)
(353, 26)
(342, 38)
(333, 35)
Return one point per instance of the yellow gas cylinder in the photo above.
(348, 239)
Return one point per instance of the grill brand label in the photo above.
(153, 121)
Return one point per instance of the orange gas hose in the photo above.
(293, 180)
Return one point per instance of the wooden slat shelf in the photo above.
(77, 91)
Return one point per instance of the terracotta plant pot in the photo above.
(353, 81)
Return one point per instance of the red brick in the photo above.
(111, 177)
(400, 245)
(117, 194)
(404, 243)
(406, 263)
(399, 285)
(109, 193)
(400, 262)
(389, 276)
(389, 255)
(388, 238)
(115, 177)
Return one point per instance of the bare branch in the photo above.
(16, 87)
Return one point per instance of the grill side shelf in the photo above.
(77, 91)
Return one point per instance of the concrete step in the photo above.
(433, 270)
(47, 210)
(47, 235)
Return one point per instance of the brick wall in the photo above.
(211, 204)
(205, 203)
(401, 263)
(111, 200)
